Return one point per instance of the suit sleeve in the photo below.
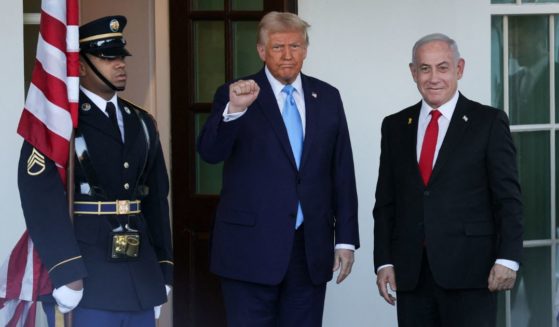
(217, 138)
(345, 192)
(45, 208)
(383, 211)
(155, 208)
(505, 189)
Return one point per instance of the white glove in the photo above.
(157, 309)
(67, 298)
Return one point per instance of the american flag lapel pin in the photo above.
(465, 118)
(314, 95)
(410, 120)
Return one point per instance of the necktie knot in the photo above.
(435, 114)
(288, 89)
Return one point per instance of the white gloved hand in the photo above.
(157, 309)
(67, 298)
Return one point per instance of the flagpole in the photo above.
(68, 317)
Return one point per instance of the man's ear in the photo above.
(82, 69)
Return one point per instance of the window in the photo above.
(524, 56)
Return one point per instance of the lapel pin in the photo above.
(314, 95)
(410, 120)
(86, 106)
(127, 109)
(465, 118)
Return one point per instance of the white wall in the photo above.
(11, 106)
(363, 47)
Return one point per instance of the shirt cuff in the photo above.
(345, 246)
(227, 117)
(384, 266)
(513, 265)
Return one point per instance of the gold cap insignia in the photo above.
(86, 106)
(35, 163)
(114, 25)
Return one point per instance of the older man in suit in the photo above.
(448, 213)
(287, 215)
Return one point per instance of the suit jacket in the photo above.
(123, 171)
(468, 215)
(255, 219)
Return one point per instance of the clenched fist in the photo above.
(242, 94)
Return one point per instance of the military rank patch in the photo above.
(35, 163)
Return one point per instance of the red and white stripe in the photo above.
(50, 111)
(47, 121)
(22, 280)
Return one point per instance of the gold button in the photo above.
(126, 165)
(126, 186)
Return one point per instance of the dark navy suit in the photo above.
(72, 252)
(254, 228)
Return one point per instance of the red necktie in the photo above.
(428, 147)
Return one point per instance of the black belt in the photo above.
(118, 207)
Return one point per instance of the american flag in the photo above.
(47, 121)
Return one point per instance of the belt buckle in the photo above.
(122, 207)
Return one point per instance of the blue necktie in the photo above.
(294, 127)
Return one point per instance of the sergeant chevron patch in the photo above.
(35, 163)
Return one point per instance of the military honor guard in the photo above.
(113, 265)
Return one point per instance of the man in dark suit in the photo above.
(448, 213)
(113, 266)
(287, 215)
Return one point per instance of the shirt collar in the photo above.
(277, 86)
(99, 101)
(446, 109)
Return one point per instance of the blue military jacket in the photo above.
(133, 170)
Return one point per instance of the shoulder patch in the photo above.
(35, 163)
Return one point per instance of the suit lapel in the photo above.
(91, 115)
(456, 129)
(269, 107)
(410, 141)
(131, 127)
(311, 116)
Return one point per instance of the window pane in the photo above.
(245, 56)
(209, 59)
(538, 1)
(248, 4)
(208, 176)
(30, 35)
(528, 69)
(497, 62)
(533, 169)
(207, 4)
(530, 298)
(502, 1)
(31, 6)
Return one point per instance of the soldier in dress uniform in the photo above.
(113, 266)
